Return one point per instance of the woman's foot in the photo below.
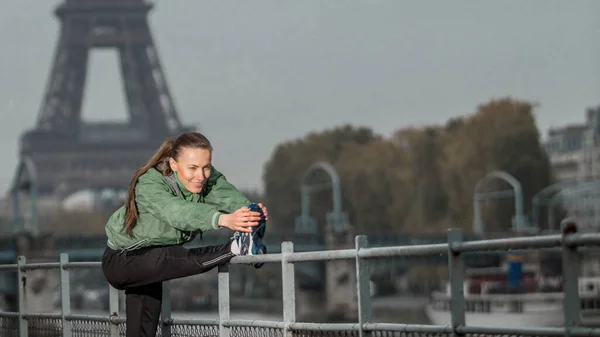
(248, 244)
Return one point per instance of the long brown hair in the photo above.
(170, 148)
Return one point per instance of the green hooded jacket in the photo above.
(166, 217)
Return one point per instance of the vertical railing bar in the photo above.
(223, 280)
(570, 267)
(165, 311)
(65, 296)
(22, 283)
(456, 270)
(113, 307)
(363, 286)
(288, 286)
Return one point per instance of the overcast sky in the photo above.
(253, 73)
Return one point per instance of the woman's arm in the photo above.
(228, 199)
(223, 194)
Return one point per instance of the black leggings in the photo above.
(141, 272)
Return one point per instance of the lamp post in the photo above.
(336, 218)
(340, 276)
(519, 221)
(25, 180)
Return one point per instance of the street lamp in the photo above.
(516, 191)
(25, 179)
(335, 219)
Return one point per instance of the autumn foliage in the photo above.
(418, 180)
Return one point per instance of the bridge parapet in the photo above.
(311, 275)
(66, 324)
(91, 247)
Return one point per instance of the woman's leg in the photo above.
(141, 273)
(157, 264)
(143, 310)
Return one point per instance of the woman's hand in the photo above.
(240, 220)
(264, 210)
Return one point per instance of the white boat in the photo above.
(539, 304)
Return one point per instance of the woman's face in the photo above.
(193, 167)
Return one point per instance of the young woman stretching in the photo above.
(171, 198)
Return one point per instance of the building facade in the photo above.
(590, 166)
(565, 151)
(574, 154)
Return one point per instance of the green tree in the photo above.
(430, 201)
(285, 170)
(422, 179)
(374, 180)
(501, 136)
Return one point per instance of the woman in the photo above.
(171, 198)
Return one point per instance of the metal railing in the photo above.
(66, 324)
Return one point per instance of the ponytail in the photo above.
(160, 160)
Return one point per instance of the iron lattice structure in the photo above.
(62, 153)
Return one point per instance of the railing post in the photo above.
(22, 283)
(165, 311)
(113, 307)
(363, 286)
(65, 296)
(456, 270)
(288, 286)
(570, 268)
(223, 280)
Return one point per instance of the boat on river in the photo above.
(536, 302)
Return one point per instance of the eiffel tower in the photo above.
(62, 154)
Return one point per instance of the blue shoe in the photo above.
(254, 239)
(262, 226)
(240, 242)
